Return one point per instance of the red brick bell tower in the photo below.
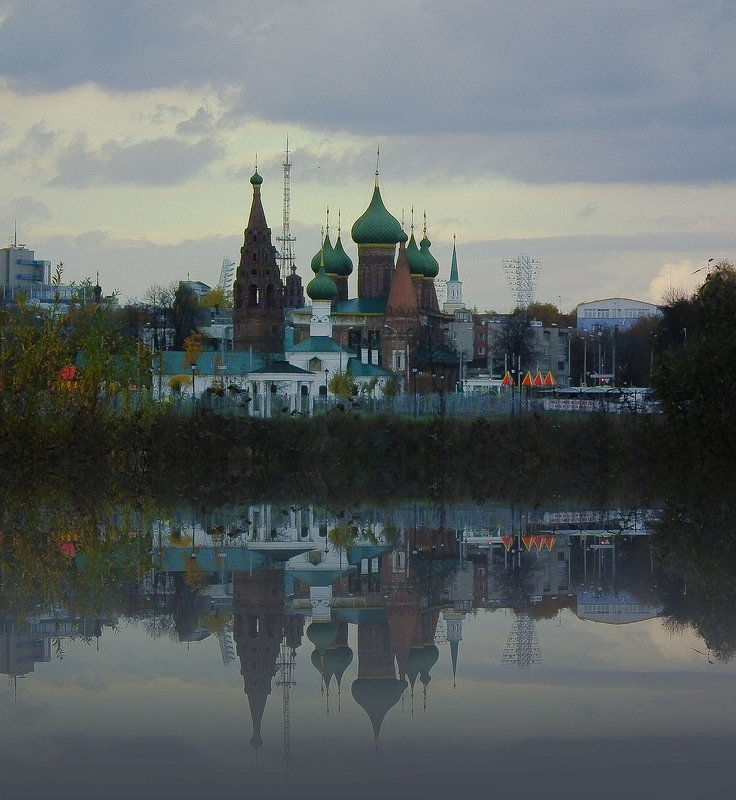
(258, 293)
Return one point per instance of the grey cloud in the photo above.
(155, 162)
(200, 123)
(22, 211)
(38, 140)
(559, 91)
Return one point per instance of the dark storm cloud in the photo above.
(157, 162)
(562, 91)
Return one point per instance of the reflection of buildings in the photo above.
(22, 646)
(258, 624)
(617, 609)
(255, 575)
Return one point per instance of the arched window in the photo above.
(253, 296)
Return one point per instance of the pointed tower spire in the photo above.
(454, 300)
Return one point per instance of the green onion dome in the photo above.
(376, 225)
(417, 262)
(430, 656)
(341, 262)
(322, 287)
(256, 179)
(377, 696)
(431, 267)
(322, 634)
(324, 255)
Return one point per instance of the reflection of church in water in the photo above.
(394, 597)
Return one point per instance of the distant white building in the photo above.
(614, 312)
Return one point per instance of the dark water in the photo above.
(311, 652)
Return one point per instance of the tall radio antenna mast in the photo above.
(286, 240)
(522, 276)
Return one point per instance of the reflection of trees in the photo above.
(695, 546)
(84, 559)
(516, 581)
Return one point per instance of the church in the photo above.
(393, 330)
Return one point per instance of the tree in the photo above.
(512, 339)
(344, 385)
(695, 374)
(218, 298)
(159, 302)
(186, 315)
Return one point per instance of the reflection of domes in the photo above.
(376, 225)
(430, 656)
(332, 663)
(322, 634)
(376, 696)
(322, 287)
(421, 660)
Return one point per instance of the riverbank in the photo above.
(531, 458)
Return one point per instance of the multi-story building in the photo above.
(614, 312)
(22, 272)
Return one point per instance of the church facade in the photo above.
(394, 326)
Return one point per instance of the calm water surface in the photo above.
(328, 652)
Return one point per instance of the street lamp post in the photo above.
(395, 335)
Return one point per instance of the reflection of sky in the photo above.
(142, 710)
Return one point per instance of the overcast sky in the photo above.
(596, 137)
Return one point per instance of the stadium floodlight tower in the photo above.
(286, 241)
(522, 276)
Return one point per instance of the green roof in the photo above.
(280, 368)
(361, 305)
(236, 362)
(359, 369)
(317, 344)
(376, 225)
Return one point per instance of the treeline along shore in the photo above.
(207, 456)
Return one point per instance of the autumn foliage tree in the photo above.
(695, 374)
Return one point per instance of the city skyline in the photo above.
(593, 137)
